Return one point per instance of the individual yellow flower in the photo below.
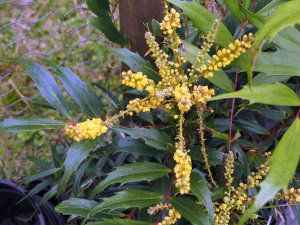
(89, 129)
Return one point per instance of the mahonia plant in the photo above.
(178, 89)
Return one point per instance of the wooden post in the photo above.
(133, 15)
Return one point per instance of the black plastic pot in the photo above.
(26, 212)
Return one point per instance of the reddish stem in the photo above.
(235, 87)
(166, 198)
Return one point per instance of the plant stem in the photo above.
(203, 148)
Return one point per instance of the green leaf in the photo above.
(273, 94)
(199, 187)
(48, 195)
(284, 162)
(99, 7)
(75, 206)
(203, 19)
(79, 91)
(263, 78)
(136, 62)
(104, 23)
(128, 199)
(141, 171)
(77, 153)
(190, 211)
(19, 125)
(234, 7)
(46, 85)
(286, 14)
(251, 127)
(152, 137)
(119, 222)
(28, 179)
(220, 79)
(131, 146)
(283, 61)
(81, 207)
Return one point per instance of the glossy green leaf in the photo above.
(215, 157)
(278, 63)
(136, 62)
(270, 7)
(46, 173)
(46, 85)
(128, 199)
(251, 127)
(99, 7)
(75, 206)
(79, 91)
(283, 61)
(273, 94)
(203, 19)
(234, 7)
(220, 79)
(119, 222)
(152, 137)
(77, 153)
(22, 125)
(81, 207)
(190, 211)
(131, 146)
(141, 171)
(263, 78)
(286, 14)
(103, 22)
(199, 187)
(284, 162)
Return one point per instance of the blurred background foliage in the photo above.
(45, 30)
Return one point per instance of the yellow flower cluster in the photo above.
(237, 198)
(138, 81)
(144, 105)
(89, 129)
(170, 22)
(172, 216)
(183, 98)
(256, 178)
(182, 170)
(167, 69)
(291, 195)
(225, 56)
(201, 94)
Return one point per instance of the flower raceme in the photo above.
(87, 129)
(177, 88)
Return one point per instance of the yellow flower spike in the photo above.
(229, 168)
(89, 129)
(182, 170)
(138, 81)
